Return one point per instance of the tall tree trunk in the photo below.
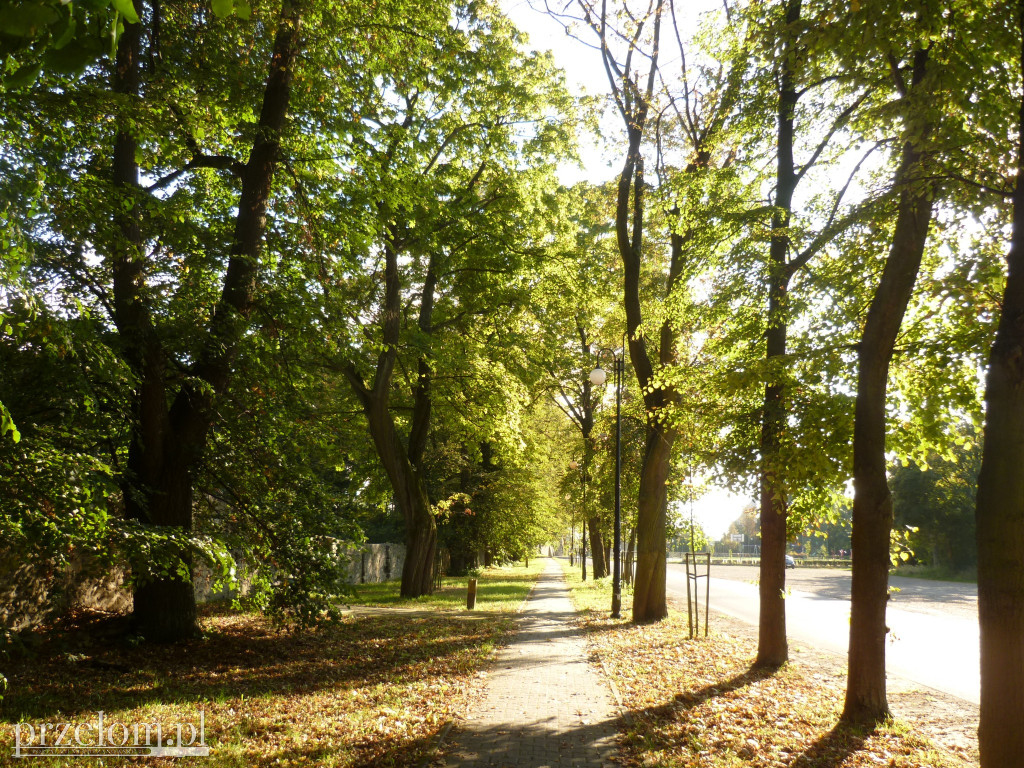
(164, 608)
(633, 100)
(1000, 508)
(168, 444)
(572, 543)
(649, 593)
(630, 556)
(157, 488)
(403, 464)
(421, 528)
(420, 547)
(872, 503)
(772, 647)
(649, 598)
(586, 423)
(410, 494)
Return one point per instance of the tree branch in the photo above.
(838, 123)
(219, 162)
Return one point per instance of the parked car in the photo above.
(790, 562)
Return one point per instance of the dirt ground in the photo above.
(947, 721)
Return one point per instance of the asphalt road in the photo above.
(934, 624)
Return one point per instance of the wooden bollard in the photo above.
(471, 595)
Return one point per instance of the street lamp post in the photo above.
(598, 377)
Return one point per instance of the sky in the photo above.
(582, 65)
(585, 74)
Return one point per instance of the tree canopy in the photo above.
(283, 273)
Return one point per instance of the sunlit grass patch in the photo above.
(369, 690)
(594, 595)
(500, 589)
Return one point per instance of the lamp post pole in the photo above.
(616, 566)
(598, 377)
(583, 482)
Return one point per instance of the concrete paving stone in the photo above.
(544, 706)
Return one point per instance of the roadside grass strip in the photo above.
(701, 703)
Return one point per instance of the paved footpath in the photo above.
(545, 706)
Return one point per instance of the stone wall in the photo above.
(33, 593)
(373, 563)
(203, 582)
(37, 592)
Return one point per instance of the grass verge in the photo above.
(374, 689)
(700, 703)
(499, 590)
(968, 576)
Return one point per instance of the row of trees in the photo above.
(266, 270)
(270, 264)
(933, 517)
(811, 217)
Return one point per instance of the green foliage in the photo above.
(935, 503)
(7, 424)
(829, 532)
(61, 491)
(428, 130)
(687, 536)
(64, 38)
(509, 503)
(433, 132)
(59, 479)
(841, 225)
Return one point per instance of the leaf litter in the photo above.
(702, 704)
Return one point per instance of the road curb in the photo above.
(625, 714)
(435, 749)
